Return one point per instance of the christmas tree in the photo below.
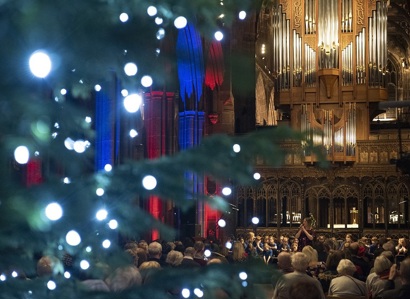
(56, 56)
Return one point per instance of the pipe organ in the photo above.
(328, 60)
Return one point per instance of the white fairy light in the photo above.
(149, 182)
(132, 103)
(84, 264)
(185, 293)
(67, 275)
(255, 220)
(88, 249)
(236, 148)
(243, 275)
(108, 167)
(88, 119)
(113, 224)
(3, 277)
(40, 64)
(51, 285)
(124, 92)
(69, 143)
(99, 191)
(66, 180)
(198, 292)
(80, 146)
(124, 17)
(101, 214)
(242, 15)
(257, 176)
(14, 274)
(130, 69)
(97, 87)
(106, 244)
(221, 222)
(21, 154)
(226, 191)
(244, 284)
(63, 91)
(228, 245)
(54, 211)
(133, 133)
(159, 20)
(180, 22)
(146, 81)
(73, 238)
(219, 35)
(152, 11)
(160, 33)
(207, 253)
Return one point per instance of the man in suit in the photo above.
(188, 260)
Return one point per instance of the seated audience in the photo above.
(284, 285)
(402, 292)
(174, 258)
(188, 260)
(346, 284)
(377, 282)
(285, 262)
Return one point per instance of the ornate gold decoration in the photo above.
(297, 13)
(360, 12)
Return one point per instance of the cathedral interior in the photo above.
(338, 71)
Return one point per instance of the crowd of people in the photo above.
(376, 268)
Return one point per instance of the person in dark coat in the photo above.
(188, 260)
(403, 273)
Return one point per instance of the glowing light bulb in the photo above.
(226, 191)
(242, 15)
(69, 143)
(124, 17)
(84, 264)
(198, 292)
(80, 146)
(106, 243)
(113, 224)
(221, 222)
(73, 238)
(146, 81)
(152, 11)
(63, 91)
(185, 293)
(160, 33)
(219, 35)
(21, 154)
(101, 214)
(54, 211)
(159, 20)
(108, 167)
(133, 133)
(255, 220)
(130, 69)
(40, 64)
(149, 182)
(180, 22)
(257, 176)
(243, 275)
(97, 87)
(132, 103)
(236, 148)
(51, 285)
(99, 191)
